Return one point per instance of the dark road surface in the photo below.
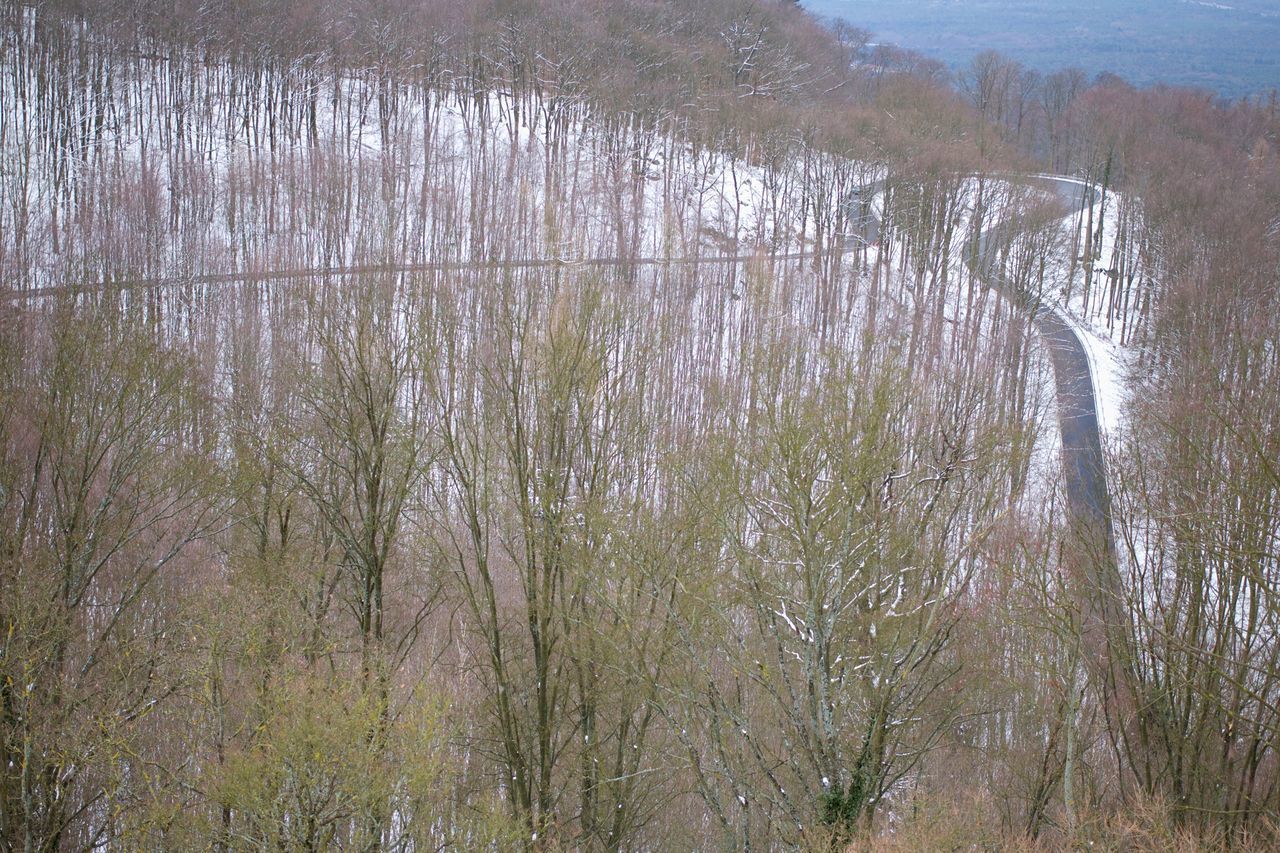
(1077, 410)
(1084, 465)
(1090, 554)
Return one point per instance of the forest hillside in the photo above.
(626, 425)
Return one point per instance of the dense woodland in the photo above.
(495, 424)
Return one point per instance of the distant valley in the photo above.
(1230, 48)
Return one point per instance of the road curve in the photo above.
(1091, 550)
(1083, 460)
(1084, 465)
(1077, 408)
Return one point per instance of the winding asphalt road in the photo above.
(1082, 457)
(1091, 549)
(1091, 553)
(1083, 460)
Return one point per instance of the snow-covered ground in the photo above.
(167, 167)
(1109, 358)
(177, 168)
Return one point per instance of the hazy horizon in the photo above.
(1229, 47)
